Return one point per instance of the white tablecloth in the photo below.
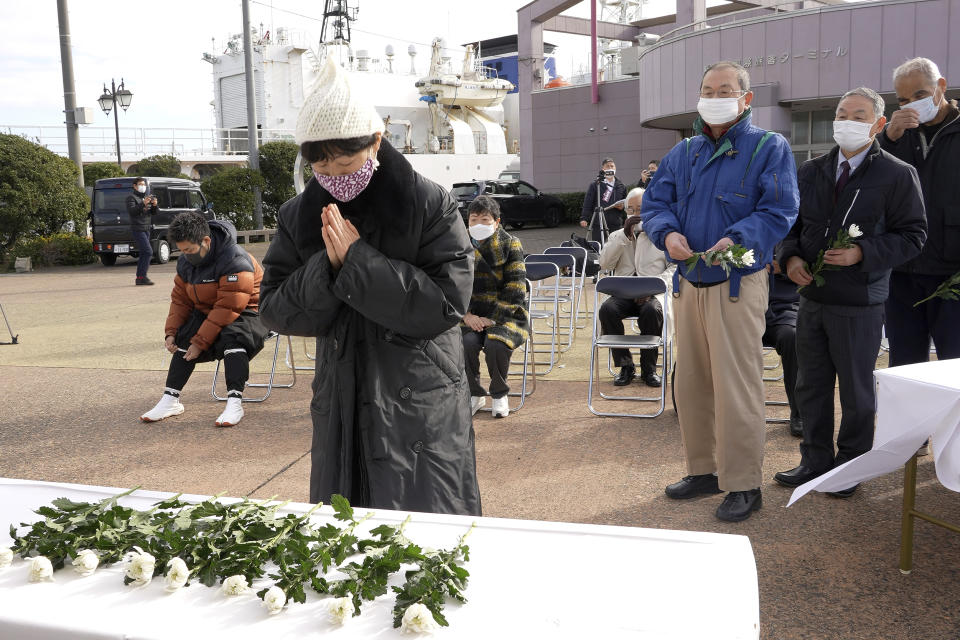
(528, 579)
(914, 402)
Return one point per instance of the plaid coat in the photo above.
(499, 288)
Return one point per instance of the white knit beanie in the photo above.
(335, 110)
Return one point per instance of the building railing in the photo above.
(148, 141)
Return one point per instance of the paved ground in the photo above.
(89, 362)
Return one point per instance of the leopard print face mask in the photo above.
(347, 187)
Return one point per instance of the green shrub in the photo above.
(572, 204)
(158, 167)
(276, 165)
(231, 192)
(100, 170)
(38, 191)
(59, 249)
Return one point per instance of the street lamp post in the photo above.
(109, 101)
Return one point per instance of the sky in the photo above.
(156, 48)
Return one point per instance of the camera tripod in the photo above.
(599, 211)
(13, 338)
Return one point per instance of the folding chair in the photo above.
(771, 367)
(543, 307)
(270, 385)
(565, 295)
(574, 284)
(288, 358)
(629, 287)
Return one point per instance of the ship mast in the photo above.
(337, 16)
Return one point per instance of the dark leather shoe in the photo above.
(693, 486)
(844, 493)
(738, 505)
(796, 426)
(144, 281)
(796, 476)
(626, 376)
(652, 379)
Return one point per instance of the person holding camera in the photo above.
(141, 207)
(647, 174)
(604, 198)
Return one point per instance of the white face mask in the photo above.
(142, 188)
(852, 135)
(718, 110)
(925, 109)
(481, 232)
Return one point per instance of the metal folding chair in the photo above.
(545, 306)
(574, 284)
(629, 287)
(270, 385)
(568, 296)
(288, 358)
(768, 366)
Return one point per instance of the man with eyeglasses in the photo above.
(733, 183)
(925, 133)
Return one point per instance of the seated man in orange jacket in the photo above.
(213, 312)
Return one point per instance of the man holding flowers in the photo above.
(861, 214)
(717, 205)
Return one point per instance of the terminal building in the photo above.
(801, 57)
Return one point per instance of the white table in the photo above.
(914, 403)
(623, 583)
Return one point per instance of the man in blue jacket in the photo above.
(732, 184)
(875, 199)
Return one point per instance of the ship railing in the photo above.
(148, 141)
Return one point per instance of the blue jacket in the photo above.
(735, 187)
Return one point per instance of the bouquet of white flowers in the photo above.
(735, 255)
(844, 240)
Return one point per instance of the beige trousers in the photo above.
(719, 380)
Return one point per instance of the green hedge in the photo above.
(231, 192)
(59, 249)
(100, 170)
(572, 204)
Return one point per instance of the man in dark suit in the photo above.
(612, 193)
(863, 193)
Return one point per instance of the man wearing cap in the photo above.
(374, 261)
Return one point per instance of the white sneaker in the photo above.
(501, 407)
(476, 403)
(232, 414)
(168, 406)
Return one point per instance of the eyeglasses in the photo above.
(723, 93)
(633, 210)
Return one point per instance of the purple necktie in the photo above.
(842, 180)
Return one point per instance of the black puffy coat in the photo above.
(391, 407)
(883, 198)
(937, 162)
(140, 214)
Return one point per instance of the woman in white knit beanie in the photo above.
(374, 260)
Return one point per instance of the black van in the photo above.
(110, 223)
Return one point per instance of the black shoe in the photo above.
(738, 505)
(652, 379)
(796, 426)
(626, 376)
(844, 493)
(144, 281)
(693, 486)
(796, 476)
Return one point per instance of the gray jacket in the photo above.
(391, 407)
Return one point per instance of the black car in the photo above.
(110, 223)
(519, 201)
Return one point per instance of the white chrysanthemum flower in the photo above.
(86, 562)
(177, 574)
(748, 258)
(235, 586)
(274, 599)
(728, 254)
(340, 609)
(418, 619)
(40, 569)
(854, 231)
(139, 567)
(6, 557)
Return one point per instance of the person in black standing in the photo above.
(612, 192)
(876, 199)
(925, 133)
(781, 335)
(141, 207)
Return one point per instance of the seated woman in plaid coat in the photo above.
(497, 320)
